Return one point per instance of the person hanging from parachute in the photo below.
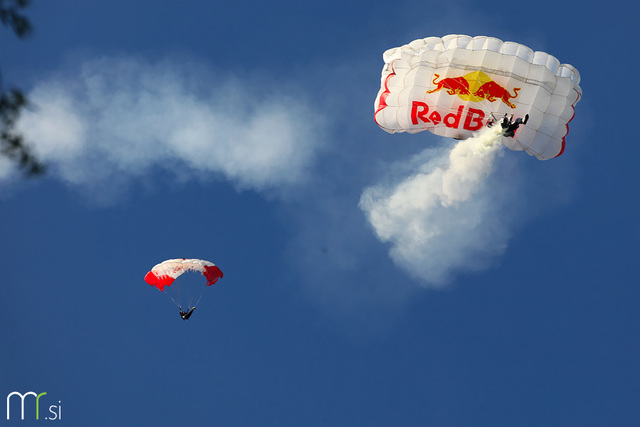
(186, 314)
(509, 125)
(452, 86)
(163, 275)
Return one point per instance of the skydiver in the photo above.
(510, 126)
(506, 121)
(186, 314)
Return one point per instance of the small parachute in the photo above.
(187, 291)
(166, 272)
(454, 85)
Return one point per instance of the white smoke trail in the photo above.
(443, 217)
(118, 118)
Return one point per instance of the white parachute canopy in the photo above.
(452, 86)
(166, 272)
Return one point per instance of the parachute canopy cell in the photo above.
(453, 85)
(166, 272)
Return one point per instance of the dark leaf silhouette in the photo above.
(12, 143)
(10, 16)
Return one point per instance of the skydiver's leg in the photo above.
(188, 314)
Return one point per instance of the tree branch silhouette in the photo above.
(12, 102)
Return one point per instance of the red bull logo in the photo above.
(453, 85)
(475, 87)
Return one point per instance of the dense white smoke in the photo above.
(441, 214)
(115, 118)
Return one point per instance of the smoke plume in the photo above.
(117, 118)
(441, 212)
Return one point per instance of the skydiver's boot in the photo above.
(526, 117)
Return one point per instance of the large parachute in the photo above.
(186, 294)
(452, 86)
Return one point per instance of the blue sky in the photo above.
(243, 133)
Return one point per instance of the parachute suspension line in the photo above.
(171, 298)
(179, 294)
(199, 297)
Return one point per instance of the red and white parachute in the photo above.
(166, 272)
(453, 85)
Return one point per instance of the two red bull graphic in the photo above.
(476, 86)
